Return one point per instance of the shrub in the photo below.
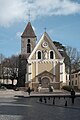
(68, 88)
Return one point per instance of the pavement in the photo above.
(12, 93)
(18, 105)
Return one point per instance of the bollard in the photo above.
(64, 97)
(72, 99)
(53, 101)
(45, 100)
(40, 99)
(66, 103)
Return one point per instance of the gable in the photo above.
(45, 73)
(45, 44)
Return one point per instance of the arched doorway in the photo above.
(45, 81)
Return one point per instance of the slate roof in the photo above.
(76, 71)
(28, 32)
(46, 37)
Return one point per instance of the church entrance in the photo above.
(45, 82)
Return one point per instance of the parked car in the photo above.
(3, 88)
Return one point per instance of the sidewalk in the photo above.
(12, 93)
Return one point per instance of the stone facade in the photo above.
(45, 65)
(22, 70)
(75, 79)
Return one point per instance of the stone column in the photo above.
(61, 71)
(36, 70)
(54, 69)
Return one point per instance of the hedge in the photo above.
(68, 88)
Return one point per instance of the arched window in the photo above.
(51, 55)
(28, 48)
(39, 55)
(28, 40)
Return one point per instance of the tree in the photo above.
(59, 46)
(13, 76)
(13, 65)
(62, 50)
(10, 68)
(1, 57)
(1, 65)
(74, 56)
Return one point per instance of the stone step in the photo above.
(43, 89)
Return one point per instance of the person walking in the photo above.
(72, 95)
(29, 90)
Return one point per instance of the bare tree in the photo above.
(62, 50)
(74, 56)
(1, 57)
(10, 68)
(1, 64)
(13, 65)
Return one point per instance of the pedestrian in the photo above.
(72, 95)
(29, 90)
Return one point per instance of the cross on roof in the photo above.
(29, 15)
(45, 29)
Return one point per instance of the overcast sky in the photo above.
(60, 17)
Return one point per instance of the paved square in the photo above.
(20, 108)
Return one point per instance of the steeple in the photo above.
(28, 40)
(28, 32)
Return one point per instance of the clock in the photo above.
(45, 44)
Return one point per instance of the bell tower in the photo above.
(28, 43)
(28, 40)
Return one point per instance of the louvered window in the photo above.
(28, 48)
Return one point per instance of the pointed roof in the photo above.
(46, 36)
(28, 32)
(45, 73)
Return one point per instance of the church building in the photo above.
(41, 64)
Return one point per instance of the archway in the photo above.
(45, 81)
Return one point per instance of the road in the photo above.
(26, 108)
